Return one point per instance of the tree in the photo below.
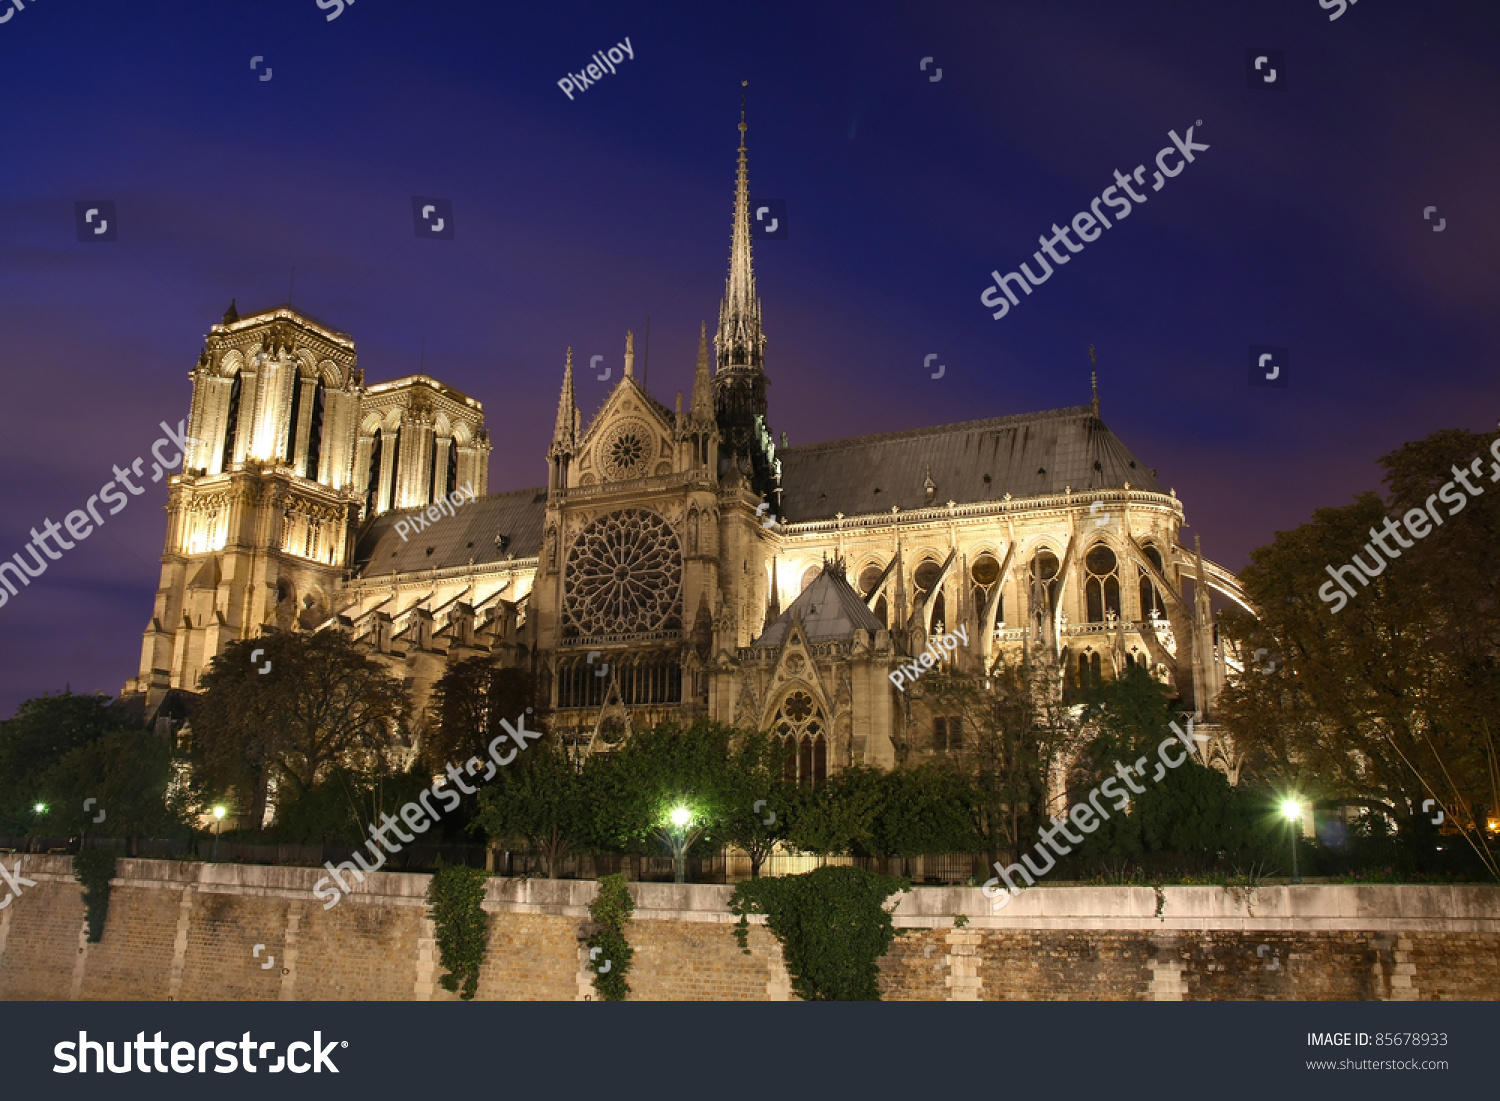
(43, 731)
(321, 708)
(757, 804)
(544, 798)
(468, 701)
(1389, 701)
(926, 809)
(840, 815)
(1014, 726)
(130, 777)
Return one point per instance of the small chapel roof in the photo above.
(1029, 455)
(829, 608)
(471, 532)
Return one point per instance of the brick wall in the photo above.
(189, 931)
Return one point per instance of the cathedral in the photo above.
(678, 562)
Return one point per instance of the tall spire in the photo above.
(740, 341)
(629, 354)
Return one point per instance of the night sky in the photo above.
(1302, 226)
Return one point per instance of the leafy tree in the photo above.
(1014, 725)
(840, 816)
(1389, 701)
(129, 776)
(323, 706)
(543, 798)
(757, 801)
(468, 701)
(42, 732)
(926, 809)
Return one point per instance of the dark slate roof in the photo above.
(469, 533)
(829, 608)
(1034, 454)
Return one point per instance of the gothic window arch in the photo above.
(869, 577)
(1044, 567)
(809, 575)
(984, 573)
(1101, 584)
(1151, 599)
(800, 724)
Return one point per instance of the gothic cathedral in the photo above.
(678, 562)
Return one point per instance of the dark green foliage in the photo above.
(543, 799)
(344, 806)
(453, 902)
(611, 910)
(129, 775)
(94, 868)
(41, 734)
(324, 706)
(832, 925)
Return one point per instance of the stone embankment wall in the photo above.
(190, 931)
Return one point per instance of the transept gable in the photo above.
(629, 438)
(795, 670)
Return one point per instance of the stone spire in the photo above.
(629, 354)
(702, 407)
(740, 341)
(567, 414)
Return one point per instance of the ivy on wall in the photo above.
(611, 910)
(832, 924)
(94, 868)
(453, 902)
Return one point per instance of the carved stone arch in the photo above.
(231, 363)
(461, 435)
(370, 425)
(307, 363)
(331, 374)
(441, 425)
(392, 418)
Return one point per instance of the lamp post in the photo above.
(1293, 811)
(218, 824)
(40, 809)
(680, 817)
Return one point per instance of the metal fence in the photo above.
(722, 867)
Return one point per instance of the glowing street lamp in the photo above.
(219, 813)
(40, 808)
(1293, 811)
(680, 817)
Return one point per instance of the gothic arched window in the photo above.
(800, 725)
(869, 577)
(1151, 600)
(1044, 569)
(1102, 585)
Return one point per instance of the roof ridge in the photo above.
(939, 429)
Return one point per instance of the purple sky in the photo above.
(1302, 226)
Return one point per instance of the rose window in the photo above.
(624, 577)
(625, 453)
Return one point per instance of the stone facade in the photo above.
(188, 931)
(665, 569)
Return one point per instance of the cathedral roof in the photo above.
(829, 608)
(470, 532)
(1030, 455)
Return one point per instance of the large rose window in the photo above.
(624, 577)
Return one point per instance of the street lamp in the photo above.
(1293, 811)
(219, 813)
(680, 817)
(40, 809)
